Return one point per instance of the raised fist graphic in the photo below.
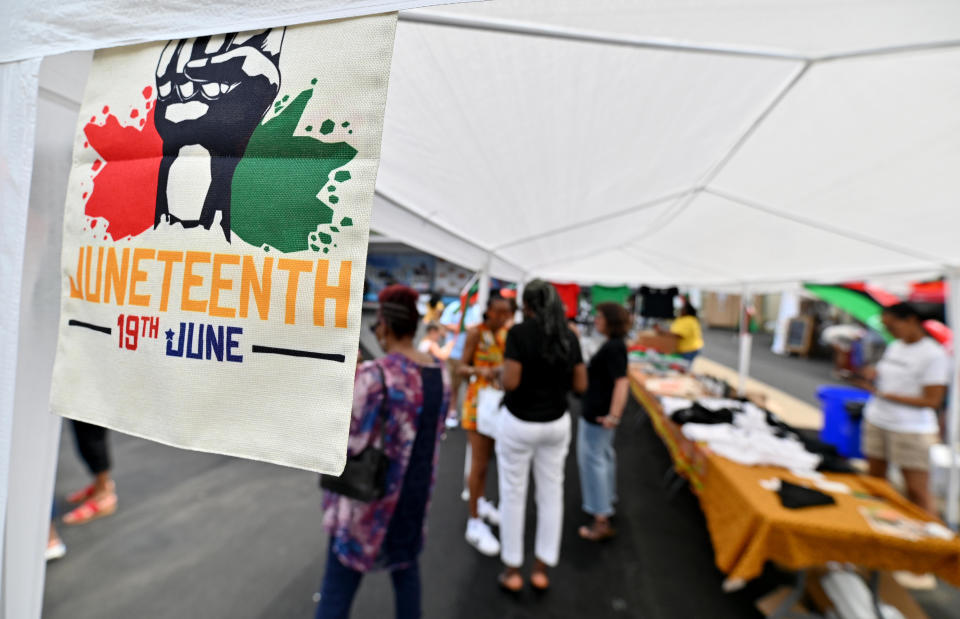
(212, 92)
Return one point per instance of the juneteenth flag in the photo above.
(215, 236)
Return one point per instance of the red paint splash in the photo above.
(125, 187)
(134, 113)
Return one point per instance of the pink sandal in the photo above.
(91, 510)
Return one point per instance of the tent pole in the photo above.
(520, 286)
(746, 342)
(483, 285)
(953, 410)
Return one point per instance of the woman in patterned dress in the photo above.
(408, 391)
(482, 360)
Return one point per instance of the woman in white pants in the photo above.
(542, 363)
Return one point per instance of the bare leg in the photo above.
(103, 485)
(878, 467)
(467, 461)
(918, 490)
(481, 447)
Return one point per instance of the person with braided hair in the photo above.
(542, 364)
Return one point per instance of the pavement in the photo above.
(201, 535)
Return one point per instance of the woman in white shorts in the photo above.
(908, 385)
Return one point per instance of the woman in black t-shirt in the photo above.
(542, 363)
(603, 406)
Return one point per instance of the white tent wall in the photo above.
(36, 432)
(18, 93)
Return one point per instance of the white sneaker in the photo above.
(465, 495)
(482, 538)
(488, 511)
(55, 551)
(453, 422)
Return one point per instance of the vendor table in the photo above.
(748, 526)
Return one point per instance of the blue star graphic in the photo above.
(169, 334)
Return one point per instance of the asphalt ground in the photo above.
(201, 535)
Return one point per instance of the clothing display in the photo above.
(743, 432)
(657, 302)
(570, 296)
(542, 393)
(905, 369)
(753, 446)
(793, 496)
(606, 366)
(699, 414)
(609, 294)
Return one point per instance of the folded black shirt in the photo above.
(793, 496)
(700, 414)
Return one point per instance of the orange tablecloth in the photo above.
(748, 525)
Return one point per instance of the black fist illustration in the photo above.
(212, 92)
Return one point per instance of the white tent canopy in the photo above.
(712, 143)
(703, 143)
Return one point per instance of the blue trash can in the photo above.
(839, 429)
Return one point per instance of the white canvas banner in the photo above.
(215, 238)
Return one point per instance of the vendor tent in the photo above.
(700, 142)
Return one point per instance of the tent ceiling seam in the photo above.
(887, 51)
(504, 26)
(722, 163)
(937, 261)
(618, 247)
(490, 252)
(55, 97)
(728, 156)
(595, 220)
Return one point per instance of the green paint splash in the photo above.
(274, 193)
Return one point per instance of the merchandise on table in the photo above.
(657, 303)
(745, 433)
(655, 362)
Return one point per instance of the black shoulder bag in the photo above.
(364, 478)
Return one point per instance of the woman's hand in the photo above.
(609, 421)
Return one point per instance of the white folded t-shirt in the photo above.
(905, 369)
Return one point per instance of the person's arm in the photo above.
(512, 373)
(933, 396)
(618, 402)
(579, 378)
(441, 352)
